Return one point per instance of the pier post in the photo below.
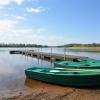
(38, 49)
(51, 53)
(31, 54)
(41, 52)
(38, 53)
(64, 53)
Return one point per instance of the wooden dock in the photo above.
(49, 56)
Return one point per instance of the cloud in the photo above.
(18, 1)
(34, 0)
(35, 10)
(7, 2)
(18, 17)
(4, 2)
(24, 36)
(11, 33)
(1, 7)
(6, 24)
(13, 17)
(41, 30)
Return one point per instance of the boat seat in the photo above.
(54, 71)
(38, 70)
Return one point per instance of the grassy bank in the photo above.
(86, 49)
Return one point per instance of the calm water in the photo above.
(12, 67)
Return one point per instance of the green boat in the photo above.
(90, 64)
(65, 76)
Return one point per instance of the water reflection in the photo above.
(12, 68)
(34, 84)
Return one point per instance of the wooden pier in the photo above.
(49, 56)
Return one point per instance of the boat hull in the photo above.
(77, 81)
(92, 64)
(84, 67)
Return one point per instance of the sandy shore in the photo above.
(42, 91)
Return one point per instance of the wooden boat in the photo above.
(78, 64)
(62, 76)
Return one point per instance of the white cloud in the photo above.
(6, 24)
(10, 8)
(34, 0)
(1, 7)
(41, 30)
(14, 34)
(18, 17)
(18, 1)
(7, 2)
(13, 17)
(35, 10)
(4, 2)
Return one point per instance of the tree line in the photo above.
(35, 45)
(21, 45)
(81, 45)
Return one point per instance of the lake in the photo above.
(12, 66)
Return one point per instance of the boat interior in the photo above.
(63, 71)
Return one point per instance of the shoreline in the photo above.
(37, 90)
(73, 49)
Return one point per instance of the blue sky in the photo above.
(49, 22)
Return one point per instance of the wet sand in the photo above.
(37, 90)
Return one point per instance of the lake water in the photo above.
(12, 67)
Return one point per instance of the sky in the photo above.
(49, 22)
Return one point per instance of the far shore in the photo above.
(86, 49)
(75, 49)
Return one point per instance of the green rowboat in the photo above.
(90, 64)
(65, 76)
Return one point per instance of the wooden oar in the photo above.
(75, 71)
(72, 69)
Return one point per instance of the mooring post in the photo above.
(41, 56)
(41, 52)
(64, 53)
(38, 53)
(38, 49)
(51, 52)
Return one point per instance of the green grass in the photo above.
(86, 49)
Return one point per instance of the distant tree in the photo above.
(21, 45)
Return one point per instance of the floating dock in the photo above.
(49, 56)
